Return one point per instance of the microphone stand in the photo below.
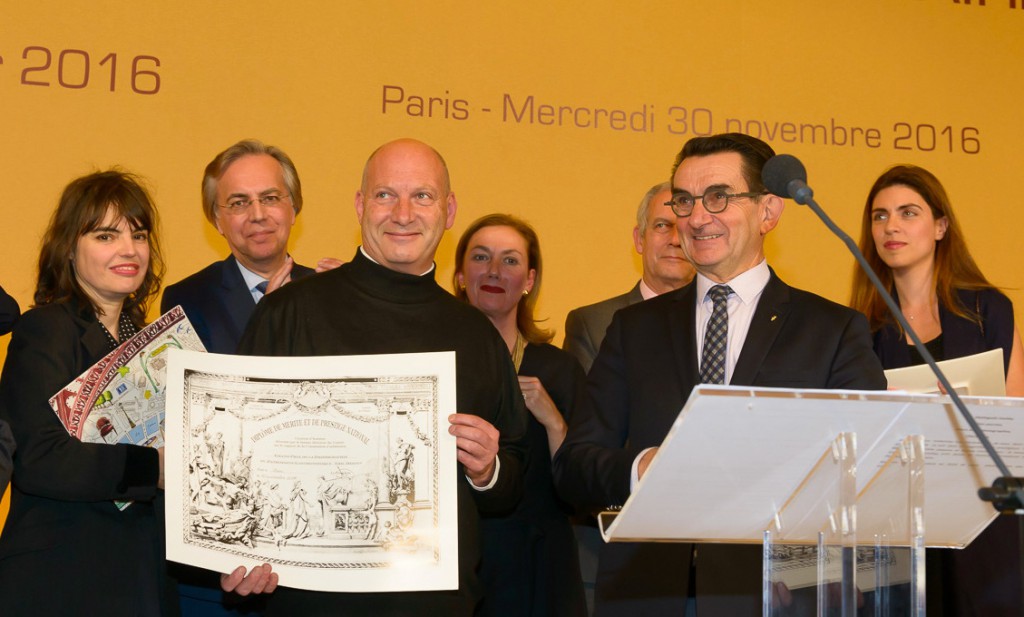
(1007, 492)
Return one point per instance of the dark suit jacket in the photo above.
(585, 326)
(641, 379)
(529, 563)
(9, 312)
(66, 548)
(6, 456)
(960, 337)
(218, 303)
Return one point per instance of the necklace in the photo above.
(913, 316)
(518, 349)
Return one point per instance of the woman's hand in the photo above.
(281, 276)
(328, 263)
(544, 410)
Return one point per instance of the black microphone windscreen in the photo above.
(779, 171)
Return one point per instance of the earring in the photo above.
(526, 292)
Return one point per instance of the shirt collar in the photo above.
(367, 255)
(747, 286)
(645, 290)
(251, 278)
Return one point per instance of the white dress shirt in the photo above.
(646, 292)
(742, 303)
(251, 281)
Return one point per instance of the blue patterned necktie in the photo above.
(712, 361)
(262, 287)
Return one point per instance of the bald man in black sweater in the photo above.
(386, 300)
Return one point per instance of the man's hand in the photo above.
(645, 460)
(477, 443)
(281, 276)
(259, 580)
(328, 263)
(781, 595)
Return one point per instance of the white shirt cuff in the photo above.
(494, 478)
(634, 472)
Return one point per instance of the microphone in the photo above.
(784, 175)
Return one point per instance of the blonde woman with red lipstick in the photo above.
(66, 548)
(529, 565)
(912, 240)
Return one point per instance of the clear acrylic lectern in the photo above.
(843, 489)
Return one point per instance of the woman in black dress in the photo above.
(529, 564)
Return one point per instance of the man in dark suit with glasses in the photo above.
(252, 196)
(736, 323)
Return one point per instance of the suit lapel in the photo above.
(238, 301)
(634, 296)
(771, 313)
(682, 329)
(93, 339)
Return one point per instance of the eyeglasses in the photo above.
(239, 205)
(715, 201)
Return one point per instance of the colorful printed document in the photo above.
(121, 398)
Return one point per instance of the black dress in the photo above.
(530, 565)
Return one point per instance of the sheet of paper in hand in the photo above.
(338, 471)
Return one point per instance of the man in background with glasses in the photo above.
(665, 268)
(251, 195)
(736, 323)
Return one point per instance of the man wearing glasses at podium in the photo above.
(736, 323)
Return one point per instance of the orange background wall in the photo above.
(932, 82)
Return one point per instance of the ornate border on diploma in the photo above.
(339, 473)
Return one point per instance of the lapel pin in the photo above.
(774, 317)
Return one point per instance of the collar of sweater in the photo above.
(387, 284)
